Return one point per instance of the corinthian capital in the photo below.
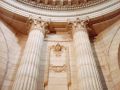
(38, 24)
(79, 24)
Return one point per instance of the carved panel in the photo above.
(58, 62)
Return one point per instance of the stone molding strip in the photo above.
(65, 8)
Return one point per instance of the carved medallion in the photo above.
(57, 49)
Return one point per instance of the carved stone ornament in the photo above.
(58, 68)
(57, 49)
(79, 24)
(38, 24)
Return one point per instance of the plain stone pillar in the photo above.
(27, 75)
(88, 76)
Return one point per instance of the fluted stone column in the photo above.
(27, 75)
(69, 2)
(88, 76)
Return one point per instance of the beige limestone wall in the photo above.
(9, 55)
(55, 81)
(106, 46)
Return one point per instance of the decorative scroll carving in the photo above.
(58, 68)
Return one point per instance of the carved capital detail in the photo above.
(79, 25)
(38, 24)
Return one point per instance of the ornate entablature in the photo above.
(101, 9)
(61, 4)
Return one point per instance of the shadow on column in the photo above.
(42, 66)
(102, 79)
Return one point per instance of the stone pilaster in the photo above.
(28, 71)
(88, 76)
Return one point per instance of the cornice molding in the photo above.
(60, 16)
(63, 7)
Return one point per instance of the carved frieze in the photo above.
(58, 68)
(61, 4)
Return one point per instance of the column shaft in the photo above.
(88, 76)
(28, 71)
